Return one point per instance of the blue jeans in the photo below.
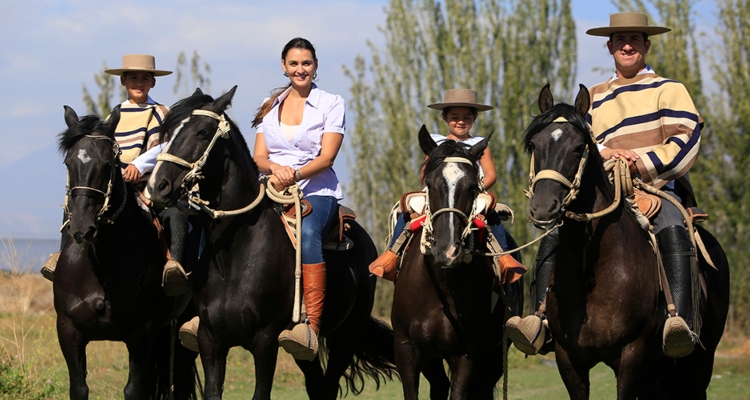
(316, 225)
(493, 222)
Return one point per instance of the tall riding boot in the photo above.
(678, 257)
(385, 266)
(529, 334)
(302, 340)
(174, 277)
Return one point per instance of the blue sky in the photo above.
(51, 48)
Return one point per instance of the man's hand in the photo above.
(131, 174)
(628, 155)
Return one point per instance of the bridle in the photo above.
(94, 192)
(621, 180)
(195, 173)
(427, 228)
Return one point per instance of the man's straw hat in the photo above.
(627, 22)
(138, 62)
(460, 98)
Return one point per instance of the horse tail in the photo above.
(175, 365)
(373, 356)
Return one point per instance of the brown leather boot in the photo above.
(385, 265)
(48, 269)
(302, 340)
(510, 269)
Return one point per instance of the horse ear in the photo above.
(198, 92)
(225, 100)
(71, 118)
(545, 99)
(476, 151)
(583, 101)
(425, 141)
(114, 118)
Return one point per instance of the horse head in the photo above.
(452, 179)
(559, 141)
(197, 129)
(93, 164)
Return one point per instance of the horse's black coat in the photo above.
(604, 302)
(108, 280)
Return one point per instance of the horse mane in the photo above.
(184, 109)
(86, 125)
(566, 111)
(448, 148)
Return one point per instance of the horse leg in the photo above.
(407, 359)
(214, 360)
(462, 369)
(440, 385)
(265, 353)
(574, 376)
(488, 369)
(629, 371)
(73, 347)
(315, 380)
(139, 375)
(340, 356)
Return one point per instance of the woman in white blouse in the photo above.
(300, 130)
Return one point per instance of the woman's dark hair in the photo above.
(296, 43)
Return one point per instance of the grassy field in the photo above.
(32, 366)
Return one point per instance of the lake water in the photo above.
(26, 255)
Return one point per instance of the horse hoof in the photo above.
(189, 334)
(301, 342)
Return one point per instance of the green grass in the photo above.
(44, 375)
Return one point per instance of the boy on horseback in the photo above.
(651, 123)
(137, 134)
(459, 111)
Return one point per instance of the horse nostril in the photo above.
(164, 187)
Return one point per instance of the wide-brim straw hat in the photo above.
(627, 22)
(460, 98)
(138, 63)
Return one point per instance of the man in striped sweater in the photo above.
(652, 123)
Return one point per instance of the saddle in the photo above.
(335, 240)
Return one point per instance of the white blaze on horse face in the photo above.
(556, 134)
(83, 156)
(452, 175)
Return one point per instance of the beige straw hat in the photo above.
(627, 22)
(138, 62)
(460, 98)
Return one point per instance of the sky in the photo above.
(51, 48)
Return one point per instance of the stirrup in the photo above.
(679, 340)
(385, 265)
(48, 269)
(189, 334)
(301, 342)
(174, 279)
(528, 334)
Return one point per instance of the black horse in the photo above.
(444, 304)
(604, 302)
(244, 289)
(107, 284)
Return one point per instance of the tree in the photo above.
(505, 50)
(184, 88)
(107, 85)
(726, 180)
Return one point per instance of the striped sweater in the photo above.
(138, 129)
(652, 116)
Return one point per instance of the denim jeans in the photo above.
(315, 227)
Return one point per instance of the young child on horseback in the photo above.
(459, 111)
(137, 134)
(652, 123)
(292, 149)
